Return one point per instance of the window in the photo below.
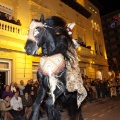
(34, 71)
(4, 65)
(5, 71)
(96, 48)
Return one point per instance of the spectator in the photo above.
(12, 20)
(21, 88)
(27, 105)
(12, 87)
(107, 88)
(94, 90)
(4, 86)
(89, 92)
(28, 87)
(7, 92)
(34, 88)
(0, 16)
(6, 17)
(27, 100)
(31, 81)
(16, 86)
(5, 107)
(17, 107)
(18, 22)
(103, 88)
(33, 96)
(97, 86)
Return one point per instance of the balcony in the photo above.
(100, 60)
(12, 30)
(85, 52)
(12, 36)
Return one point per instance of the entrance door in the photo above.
(2, 82)
(5, 71)
(2, 78)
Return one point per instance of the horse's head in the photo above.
(36, 32)
(48, 34)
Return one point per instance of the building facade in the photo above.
(111, 30)
(15, 65)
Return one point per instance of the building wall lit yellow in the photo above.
(12, 43)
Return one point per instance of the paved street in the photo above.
(106, 110)
(102, 109)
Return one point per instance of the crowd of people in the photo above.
(8, 18)
(17, 100)
(107, 88)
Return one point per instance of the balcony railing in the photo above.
(13, 30)
(85, 52)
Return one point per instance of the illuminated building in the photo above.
(16, 65)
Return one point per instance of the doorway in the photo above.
(5, 71)
(2, 78)
(2, 82)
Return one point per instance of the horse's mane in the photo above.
(55, 21)
(62, 40)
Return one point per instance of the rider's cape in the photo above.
(73, 76)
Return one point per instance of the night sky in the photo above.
(109, 6)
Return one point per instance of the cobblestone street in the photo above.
(101, 109)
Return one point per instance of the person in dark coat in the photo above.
(12, 20)
(28, 87)
(27, 100)
(97, 86)
(27, 105)
(18, 22)
(7, 92)
(6, 107)
(33, 96)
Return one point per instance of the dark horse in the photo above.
(52, 36)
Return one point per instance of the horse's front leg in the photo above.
(40, 96)
(52, 112)
(36, 106)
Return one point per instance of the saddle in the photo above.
(52, 65)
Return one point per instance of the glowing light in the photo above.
(105, 56)
(99, 75)
(39, 50)
(95, 12)
(91, 51)
(79, 59)
(79, 48)
(90, 8)
(92, 62)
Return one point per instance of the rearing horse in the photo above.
(58, 73)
